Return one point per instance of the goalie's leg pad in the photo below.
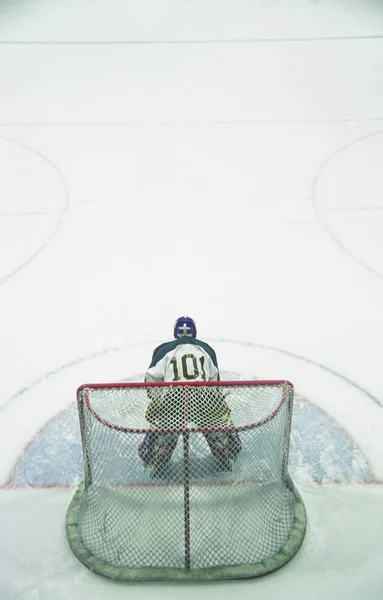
(157, 448)
(234, 445)
(145, 449)
(224, 446)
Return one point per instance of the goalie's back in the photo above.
(183, 359)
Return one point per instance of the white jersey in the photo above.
(185, 359)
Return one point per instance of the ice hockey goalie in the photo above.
(186, 358)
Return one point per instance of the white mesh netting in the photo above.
(186, 481)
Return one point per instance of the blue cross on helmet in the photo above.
(185, 327)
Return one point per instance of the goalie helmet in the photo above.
(185, 327)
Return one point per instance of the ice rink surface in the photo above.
(222, 159)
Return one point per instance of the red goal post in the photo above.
(192, 520)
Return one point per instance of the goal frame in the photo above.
(285, 553)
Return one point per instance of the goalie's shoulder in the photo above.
(161, 351)
(208, 349)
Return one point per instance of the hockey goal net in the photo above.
(218, 504)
